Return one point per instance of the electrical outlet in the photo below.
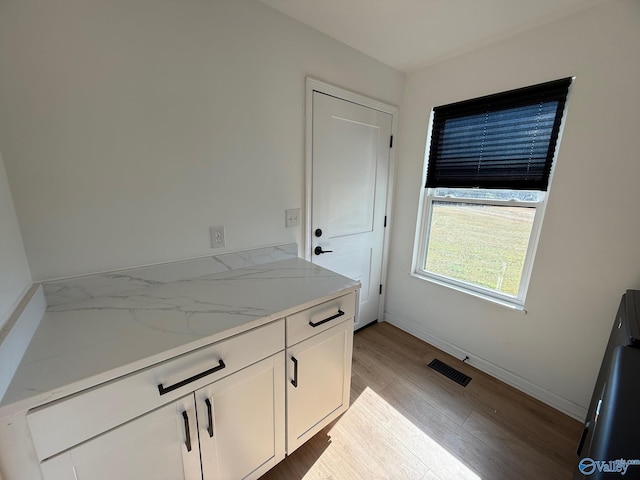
(217, 236)
(292, 217)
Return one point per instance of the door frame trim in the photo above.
(315, 85)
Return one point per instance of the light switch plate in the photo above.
(292, 217)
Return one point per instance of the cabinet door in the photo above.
(241, 421)
(151, 446)
(318, 382)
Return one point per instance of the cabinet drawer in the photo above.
(69, 421)
(317, 319)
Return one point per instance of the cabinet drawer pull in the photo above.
(210, 425)
(294, 382)
(187, 432)
(171, 388)
(339, 314)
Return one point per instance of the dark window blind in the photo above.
(506, 140)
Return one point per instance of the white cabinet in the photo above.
(228, 410)
(235, 425)
(196, 422)
(241, 422)
(318, 368)
(60, 425)
(152, 446)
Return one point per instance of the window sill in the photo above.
(489, 298)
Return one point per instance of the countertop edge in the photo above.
(42, 398)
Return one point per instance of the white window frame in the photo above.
(428, 196)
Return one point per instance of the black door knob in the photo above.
(319, 251)
(318, 232)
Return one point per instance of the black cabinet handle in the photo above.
(319, 251)
(583, 438)
(171, 388)
(339, 314)
(187, 432)
(294, 382)
(210, 426)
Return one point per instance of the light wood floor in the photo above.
(407, 421)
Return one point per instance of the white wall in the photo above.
(129, 127)
(15, 277)
(588, 253)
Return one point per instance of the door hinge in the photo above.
(385, 221)
(391, 142)
(380, 289)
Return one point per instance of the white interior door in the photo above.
(350, 171)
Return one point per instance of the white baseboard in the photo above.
(17, 332)
(559, 403)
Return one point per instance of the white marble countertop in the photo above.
(82, 343)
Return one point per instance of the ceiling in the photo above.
(411, 34)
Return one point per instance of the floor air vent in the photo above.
(450, 372)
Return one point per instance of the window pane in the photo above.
(483, 245)
(490, 194)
